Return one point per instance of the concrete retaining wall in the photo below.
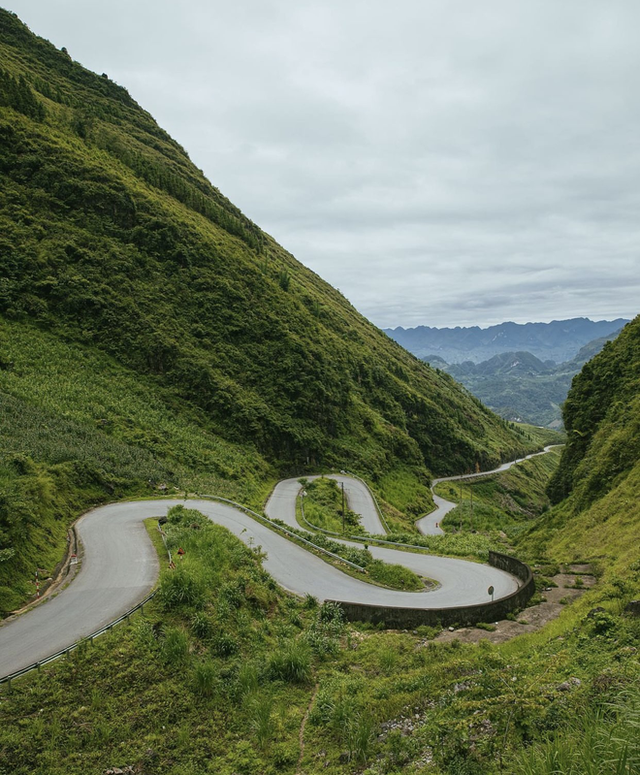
(409, 618)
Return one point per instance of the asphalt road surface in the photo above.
(120, 566)
(430, 524)
(282, 502)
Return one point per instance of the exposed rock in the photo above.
(633, 608)
(571, 683)
(405, 724)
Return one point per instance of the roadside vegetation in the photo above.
(321, 505)
(502, 505)
(368, 568)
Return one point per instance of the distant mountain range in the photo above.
(558, 341)
(519, 386)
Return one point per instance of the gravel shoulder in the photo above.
(533, 618)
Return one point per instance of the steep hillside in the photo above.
(112, 237)
(602, 419)
(128, 268)
(597, 484)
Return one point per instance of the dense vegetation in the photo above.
(596, 485)
(602, 419)
(116, 247)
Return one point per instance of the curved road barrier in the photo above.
(464, 615)
(120, 567)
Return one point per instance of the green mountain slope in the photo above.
(113, 244)
(597, 484)
(113, 238)
(602, 416)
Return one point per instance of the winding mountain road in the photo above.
(120, 567)
(430, 523)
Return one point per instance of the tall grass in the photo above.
(205, 678)
(175, 647)
(291, 663)
(605, 741)
(259, 711)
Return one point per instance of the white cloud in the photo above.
(441, 163)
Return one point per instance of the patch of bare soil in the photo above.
(535, 617)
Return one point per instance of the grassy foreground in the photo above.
(220, 672)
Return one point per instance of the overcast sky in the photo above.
(443, 163)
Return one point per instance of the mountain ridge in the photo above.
(558, 340)
(519, 386)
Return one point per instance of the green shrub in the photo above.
(325, 630)
(331, 613)
(201, 625)
(359, 734)
(388, 659)
(247, 679)
(310, 602)
(291, 664)
(181, 588)
(427, 631)
(205, 679)
(224, 644)
(259, 712)
(603, 622)
(175, 647)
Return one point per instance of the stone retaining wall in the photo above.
(491, 611)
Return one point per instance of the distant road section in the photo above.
(120, 567)
(430, 523)
(282, 502)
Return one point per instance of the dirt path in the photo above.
(535, 617)
(302, 726)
